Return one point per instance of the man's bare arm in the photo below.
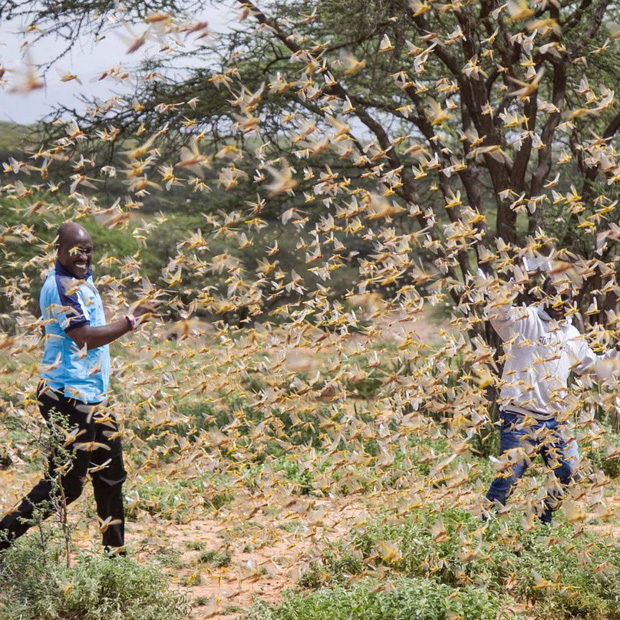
(93, 337)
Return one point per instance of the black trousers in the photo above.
(105, 465)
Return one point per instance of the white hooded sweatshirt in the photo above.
(540, 354)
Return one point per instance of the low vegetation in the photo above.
(36, 584)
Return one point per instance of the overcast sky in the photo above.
(88, 59)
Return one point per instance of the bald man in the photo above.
(75, 373)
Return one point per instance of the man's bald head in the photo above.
(75, 248)
(71, 232)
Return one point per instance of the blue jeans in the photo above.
(549, 441)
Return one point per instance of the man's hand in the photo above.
(145, 311)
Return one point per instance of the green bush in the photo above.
(599, 457)
(37, 585)
(337, 566)
(179, 501)
(218, 559)
(369, 599)
(202, 415)
(303, 478)
(568, 577)
(430, 544)
(561, 574)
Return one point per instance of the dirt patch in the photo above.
(269, 548)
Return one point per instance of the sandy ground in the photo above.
(266, 558)
(269, 545)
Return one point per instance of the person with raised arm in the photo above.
(542, 348)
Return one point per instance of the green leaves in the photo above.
(558, 574)
(36, 586)
(397, 599)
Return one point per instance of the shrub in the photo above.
(452, 565)
(302, 477)
(369, 599)
(600, 457)
(563, 575)
(219, 559)
(337, 566)
(37, 586)
(175, 500)
(570, 577)
(428, 544)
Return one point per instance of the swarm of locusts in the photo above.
(395, 185)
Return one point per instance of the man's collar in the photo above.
(63, 271)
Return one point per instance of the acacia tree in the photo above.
(490, 125)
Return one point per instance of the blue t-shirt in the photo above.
(68, 302)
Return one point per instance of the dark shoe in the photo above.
(116, 552)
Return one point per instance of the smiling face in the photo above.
(75, 249)
(557, 299)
